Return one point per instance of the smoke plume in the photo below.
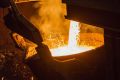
(50, 21)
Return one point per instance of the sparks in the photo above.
(72, 47)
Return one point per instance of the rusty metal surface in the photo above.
(101, 18)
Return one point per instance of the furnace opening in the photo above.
(81, 38)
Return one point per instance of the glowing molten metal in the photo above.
(72, 47)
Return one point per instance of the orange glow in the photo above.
(66, 50)
(72, 47)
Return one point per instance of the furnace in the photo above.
(79, 41)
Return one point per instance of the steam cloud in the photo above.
(50, 20)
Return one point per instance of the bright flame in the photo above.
(72, 47)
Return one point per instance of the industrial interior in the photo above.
(59, 40)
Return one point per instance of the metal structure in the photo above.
(104, 14)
